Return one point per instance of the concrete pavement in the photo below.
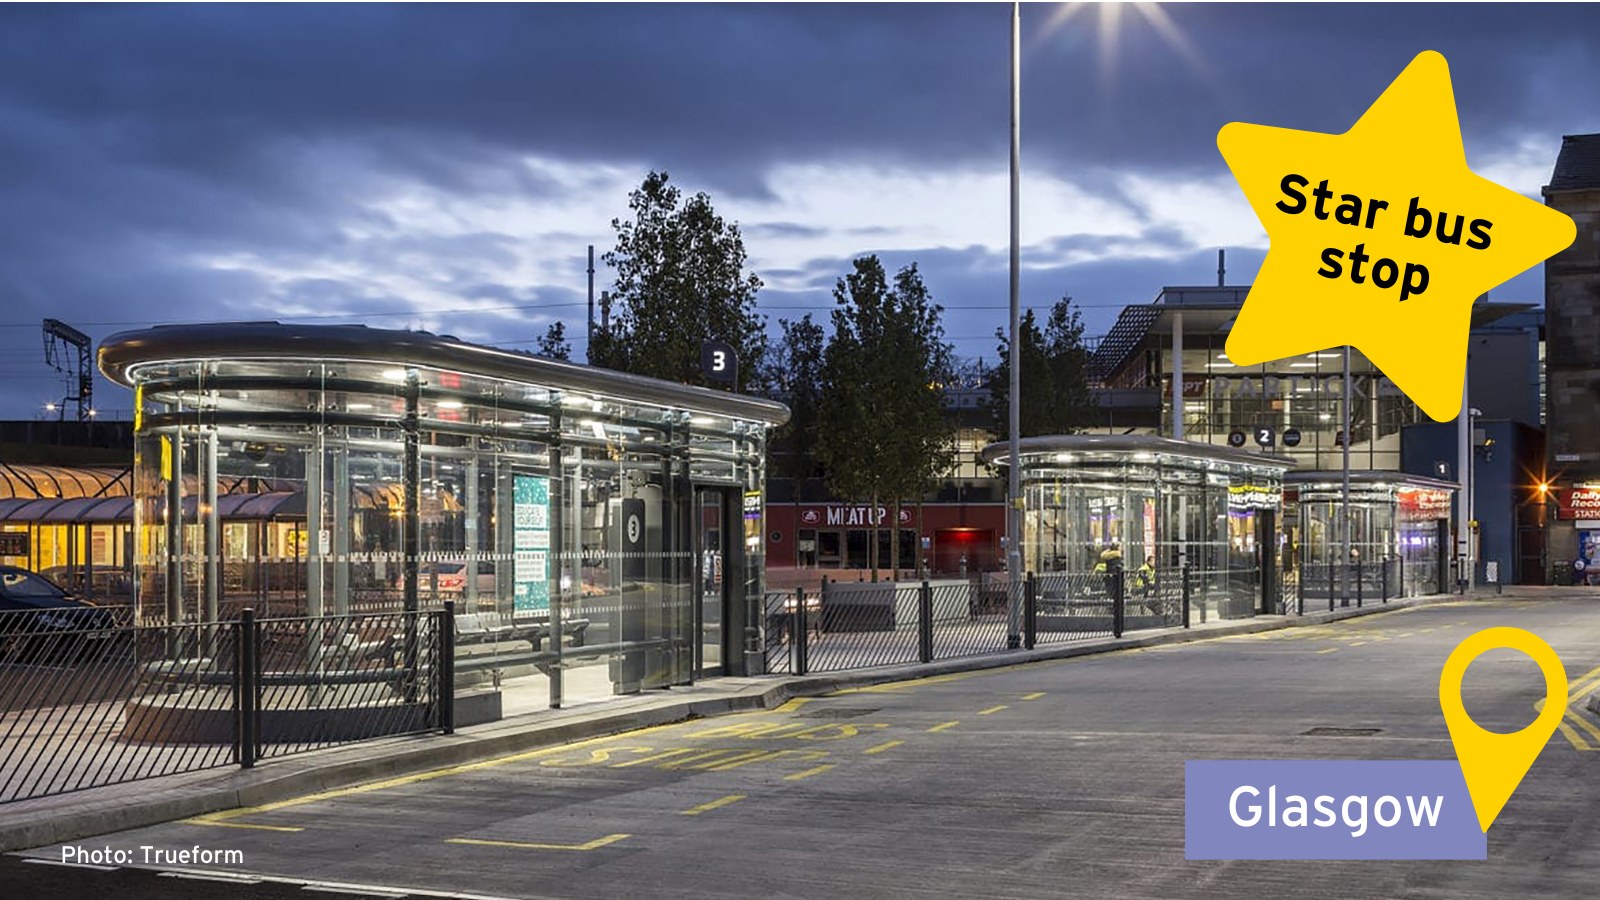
(1052, 779)
(103, 810)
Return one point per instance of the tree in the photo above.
(850, 435)
(881, 431)
(795, 378)
(1055, 375)
(680, 281)
(554, 343)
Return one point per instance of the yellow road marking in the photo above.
(665, 754)
(1575, 694)
(1330, 650)
(817, 770)
(1033, 696)
(763, 756)
(205, 820)
(1585, 724)
(702, 760)
(1573, 738)
(913, 684)
(403, 780)
(736, 762)
(739, 758)
(992, 710)
(715, 804)
(1358, 643)
(595, 844)
(943, 725)
(1585, 682)
(886, 745)
(794, 704)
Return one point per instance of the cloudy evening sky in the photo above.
(444, 167)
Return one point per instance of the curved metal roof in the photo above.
(1115, 444)
(34, 482)
(1369, 477)
(272, 340)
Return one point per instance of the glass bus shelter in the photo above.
(1163, 506)
(577, 516)
(1400, 535)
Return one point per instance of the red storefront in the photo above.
(1580, 503)
(825, 536)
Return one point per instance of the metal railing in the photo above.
(89, 699)
(1314, 586)
(854, 625)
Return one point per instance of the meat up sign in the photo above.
(1579, 503)
(840, 515)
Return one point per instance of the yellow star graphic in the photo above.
(1381, 238)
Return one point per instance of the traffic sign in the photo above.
(719, 362)
(1291, 437)
(1265, 436)
(1236, 438)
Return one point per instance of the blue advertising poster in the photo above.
(531, 531)
(1588, 562)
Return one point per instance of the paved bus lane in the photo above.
(1051, 779)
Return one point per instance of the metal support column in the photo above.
(246, 689)
(412, 487)
(316, 556)
(1030, 610)
(1183, 573)
(209, 520)
(1177, 375)
(1344, 501)
(505, 517)
(1014, 403)
(474, 547)
(174, 511)
(801, 633)
(925, 622)
(559, 491)
(445, 687)
(341, 526)
(315, 526)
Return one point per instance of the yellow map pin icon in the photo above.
(1493, 764)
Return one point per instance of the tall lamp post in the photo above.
(1014, 391)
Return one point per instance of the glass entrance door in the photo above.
(712, 577)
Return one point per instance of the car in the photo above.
(451, 576)
(38, 619)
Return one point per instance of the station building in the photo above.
(325, 470)
(1571, 485)
(1171, 354)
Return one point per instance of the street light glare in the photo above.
(1109, 27)
(1110, 16)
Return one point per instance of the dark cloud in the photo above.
(141, 144)
(781, 229)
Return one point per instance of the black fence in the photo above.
(88, 699)
(854, 625)
(1329, 586)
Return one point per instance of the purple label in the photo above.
(1329, 809)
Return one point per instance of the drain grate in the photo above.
(1330, 731)
(837, 713)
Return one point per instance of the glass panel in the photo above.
(312, 482)
(713, 578)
